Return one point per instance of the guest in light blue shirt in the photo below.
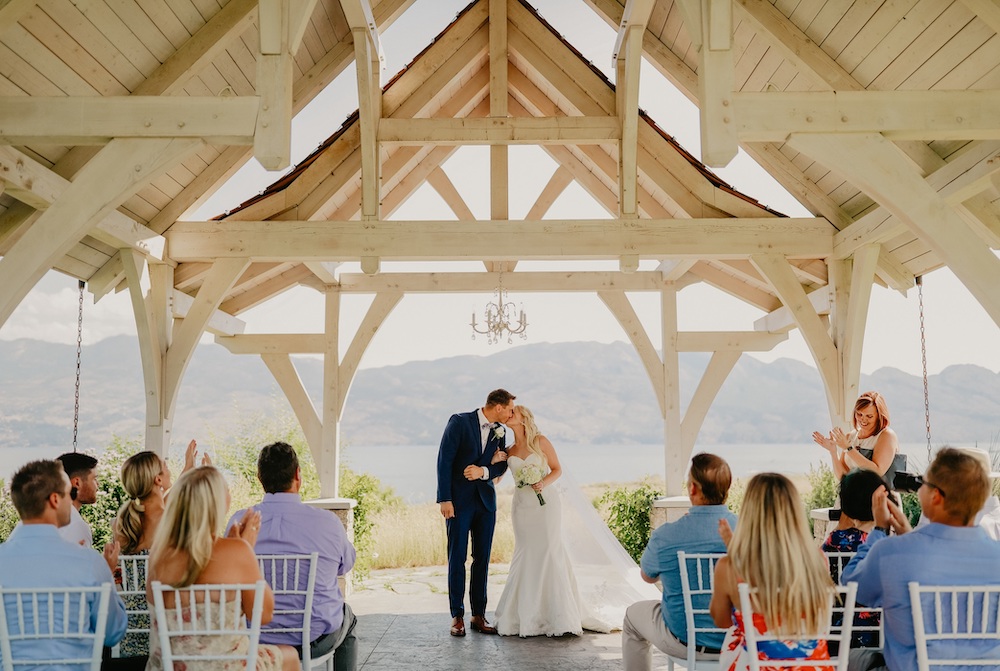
(950, 550)
(289, 526)
(662, 623)
(36, 556)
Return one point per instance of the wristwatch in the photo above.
(884, 530)
(849, 448)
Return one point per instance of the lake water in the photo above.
(411, 470)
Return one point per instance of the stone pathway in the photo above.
(403, 624)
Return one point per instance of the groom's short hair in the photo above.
(499, 397)
(276, 467)
(713, 476)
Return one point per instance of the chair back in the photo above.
(955, 625)
(59, 621)
(133, 593)
(868, 622)
(202, 611)
(842, 637)
(293, 580)
(697, 581)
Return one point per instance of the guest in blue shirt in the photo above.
(36, 556)
(950, 550)
(289, 526)
(662, 623)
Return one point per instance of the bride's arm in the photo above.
(555, 470)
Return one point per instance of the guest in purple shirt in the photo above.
(289, 526)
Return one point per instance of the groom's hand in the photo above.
(447, 509)
(474, 472)
(499, 455)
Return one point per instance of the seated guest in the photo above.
(988, 516)
(187, 550)
(36, 555)
(856, 489)
(662, 623)
(856, 520)
(82, 471)
(145, 477)
(951, 550)
(289, 526)
(773, 552)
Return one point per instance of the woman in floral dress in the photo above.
(773, 552)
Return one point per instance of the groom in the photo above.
(471, 442)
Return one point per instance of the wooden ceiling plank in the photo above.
(987, 10)
(520, 281)
(201, 49)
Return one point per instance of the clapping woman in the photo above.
(188, 550)
(773, 552)
(872, 445)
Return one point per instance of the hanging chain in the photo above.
(79, 351)
(923, 359)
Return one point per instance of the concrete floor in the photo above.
(403, 624)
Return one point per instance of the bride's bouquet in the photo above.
(530, 474)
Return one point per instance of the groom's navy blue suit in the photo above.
(475, 505)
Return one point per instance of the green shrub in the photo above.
(372, 498)
(8, 515)
(628, 511)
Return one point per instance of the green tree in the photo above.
(628, 510)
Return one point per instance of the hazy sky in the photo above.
(430, 327)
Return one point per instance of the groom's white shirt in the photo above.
(485, 426)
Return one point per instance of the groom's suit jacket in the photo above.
(460, 448)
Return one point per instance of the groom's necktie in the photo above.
(485, 426)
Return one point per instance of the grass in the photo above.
(407, 536)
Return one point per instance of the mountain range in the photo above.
(581, 392)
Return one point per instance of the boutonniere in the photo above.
(498, 431)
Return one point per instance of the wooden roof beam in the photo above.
(886, 177)
(497, 240)
(439, 181)
(897, 115)
(366, 60)
(627, 65)
(96, 120)
(499, 154)
(34, 184)
(500, 131)
(360, 16)
(485, 282)
(710, 25)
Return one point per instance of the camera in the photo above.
(906, 482)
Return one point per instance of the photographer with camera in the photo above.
(950, 550)
(872, 445)
(988, 516)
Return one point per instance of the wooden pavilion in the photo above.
(118, 116)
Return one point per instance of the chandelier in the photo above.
(500, 318)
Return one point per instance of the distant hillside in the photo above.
(581, 393)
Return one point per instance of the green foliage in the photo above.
(734, 501)
(8, 515)
(237, 456)
(372, 498)
(628, 515)
(823, 487)
(911, 507)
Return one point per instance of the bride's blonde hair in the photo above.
(531, 433)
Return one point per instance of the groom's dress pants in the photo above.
(472, 518)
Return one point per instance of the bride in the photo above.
(542, 594)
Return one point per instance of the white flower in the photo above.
(528, 474)
(499, 432)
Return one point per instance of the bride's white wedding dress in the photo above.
(552, 547)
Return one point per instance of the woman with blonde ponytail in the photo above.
(773, 552)
(188, 550)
